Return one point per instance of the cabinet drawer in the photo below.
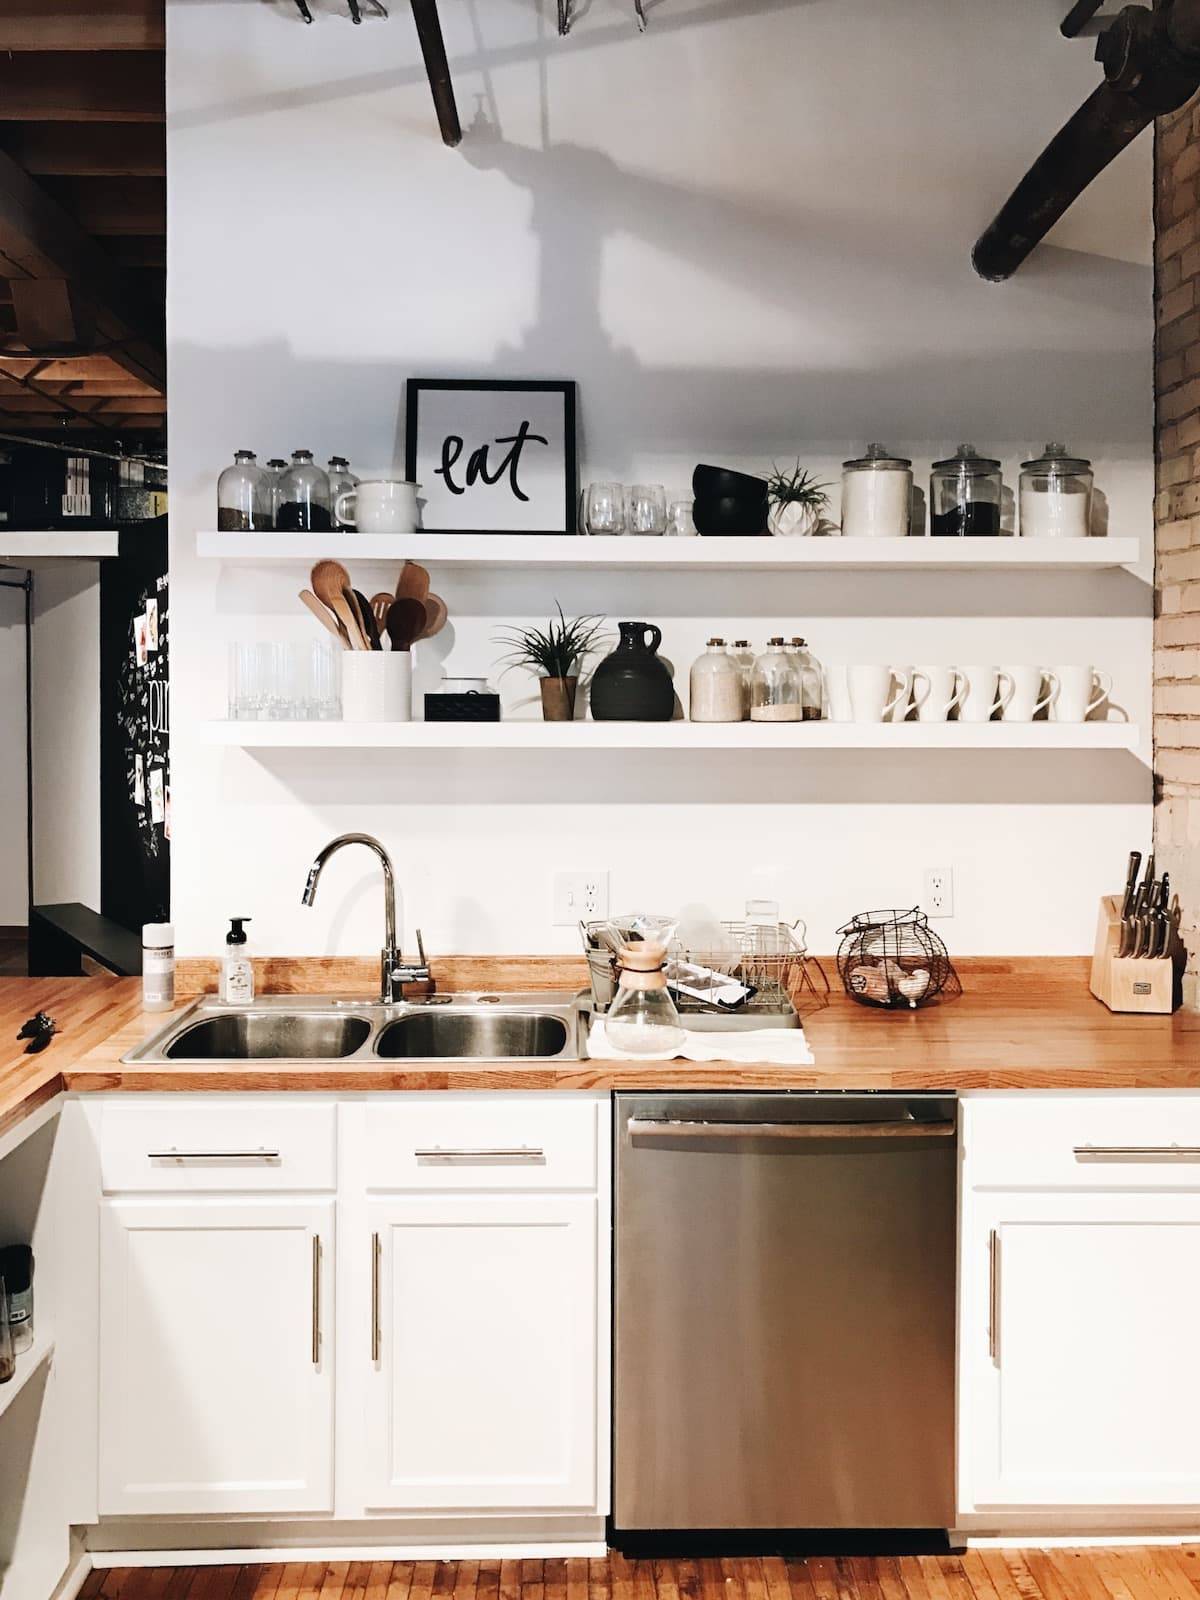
(185, 1143)
(510, 1141)
(1082, 1141)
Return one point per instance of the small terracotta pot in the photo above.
(558, 699)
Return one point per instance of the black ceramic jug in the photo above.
(633, 683)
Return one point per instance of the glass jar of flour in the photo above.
(1056, 496)
(876, 495)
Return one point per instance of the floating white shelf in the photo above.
(27, 1365)
(47, 549)
(559, 736)
(641, 554)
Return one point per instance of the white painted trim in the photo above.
(1074, 1541)
(74, 1578)
(257, 1555)
(29, 1125)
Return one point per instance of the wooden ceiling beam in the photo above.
(83, 25)
(91, 150)
(43, 241)
(61, 86)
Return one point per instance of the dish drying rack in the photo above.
(771, 959)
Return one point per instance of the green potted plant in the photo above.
(554, 655)
(796, 502)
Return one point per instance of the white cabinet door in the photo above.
(1080, 1384)
(216, 1370)
(482, 1384)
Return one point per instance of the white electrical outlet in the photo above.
(939, 892)
(580, 897)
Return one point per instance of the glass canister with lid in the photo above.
(877, 495)
(243, 496)
(304, 496)
(812, 681)
(1056, 495)
(776, 693)
(965, 493)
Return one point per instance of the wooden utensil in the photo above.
(325, 617)
(413, 582)
(405, 619)
(331, 584)
(435, 616)
(380, 606)
(369, 625)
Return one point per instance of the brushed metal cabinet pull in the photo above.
(665, 1128)
(316, 1300)
(376, 1341)
(994, 1296)
(522, 1152)
(173, 1154)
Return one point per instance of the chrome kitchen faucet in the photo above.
(395, 972)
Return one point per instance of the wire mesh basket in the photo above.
(758, 969)
(892, 958)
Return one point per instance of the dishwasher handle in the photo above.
(902, 1128)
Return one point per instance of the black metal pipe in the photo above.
(433, 48)
(1080, 14)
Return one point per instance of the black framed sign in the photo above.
(493, 456)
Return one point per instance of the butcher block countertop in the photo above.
(1029, 1024)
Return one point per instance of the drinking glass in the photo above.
(679, 520)
(604, 509)
(647, 510)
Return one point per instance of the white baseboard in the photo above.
(339, 1552)
(74, 1578)
(1076, 1541)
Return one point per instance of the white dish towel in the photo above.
(785, 1047)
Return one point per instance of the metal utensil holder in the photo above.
(771, 959)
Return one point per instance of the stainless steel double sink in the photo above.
(455, 1027)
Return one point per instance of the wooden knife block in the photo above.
(1123, 982)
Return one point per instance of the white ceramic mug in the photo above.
(872, 698)
(379, 505)
(376, 686)
(1027, 698)
(984, 693)
(944, 689)
(903, 702)
(837, 695)
(1080, 691)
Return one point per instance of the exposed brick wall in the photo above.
(1177, 521)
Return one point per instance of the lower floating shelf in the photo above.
(530, 735)
(28, 1363)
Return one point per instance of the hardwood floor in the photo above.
(1125, 1573)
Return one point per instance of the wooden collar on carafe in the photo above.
(642, 965)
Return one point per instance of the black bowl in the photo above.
(725, 517)
(712, 483)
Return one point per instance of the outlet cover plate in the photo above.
(938, 900)
(580, 897)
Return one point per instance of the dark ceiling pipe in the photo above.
(1080, 14)
(1151, 63)
(433, 48)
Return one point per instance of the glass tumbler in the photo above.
(604, 509)
(647, 509)
(679, 520)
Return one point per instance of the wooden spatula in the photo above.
(331, 585)
(325, 617)
(413, 583)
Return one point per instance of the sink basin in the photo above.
(270, 1035)
(532, 1025)
(490, 1034)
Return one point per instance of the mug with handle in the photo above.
(871, 697)
(1080, 691)
(907, 698)
(984, 694)
(944, 689)
(379, 505)
(1027, 698)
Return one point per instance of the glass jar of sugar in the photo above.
(876, 495)
(1056, 496)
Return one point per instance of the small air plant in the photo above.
(797, 501)
(554, 654)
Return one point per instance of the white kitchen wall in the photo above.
(14, 895)
(746, 234)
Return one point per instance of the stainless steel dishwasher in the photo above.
(785, 1311)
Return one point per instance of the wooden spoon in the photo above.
(369, 626)
(435, 616)
(331, 584)
(405, 619)
(324, 617)
(413, 583)
(380, 606)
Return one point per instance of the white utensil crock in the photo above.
(376, 686)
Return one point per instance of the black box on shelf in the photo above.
(473, 707)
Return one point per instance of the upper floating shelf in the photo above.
(47, 549)
(641, 554)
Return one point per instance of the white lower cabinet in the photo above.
(216, 1359)
(482, 1391)
(1080, 1303)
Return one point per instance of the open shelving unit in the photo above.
(48, 549)
(676, 736)
(28, 1363)
(522, 551)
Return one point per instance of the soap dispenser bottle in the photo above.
(237, 970)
